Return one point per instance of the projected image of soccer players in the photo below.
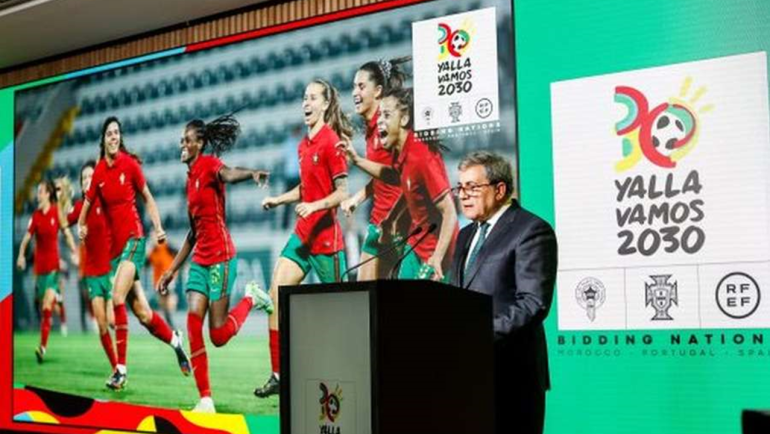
(372, 80)
(44, 226)
(214, 264)
(116, 181)
(419, 169)
(317, 242)
(95, 262)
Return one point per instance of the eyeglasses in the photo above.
(470, 189)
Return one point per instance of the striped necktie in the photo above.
(483, 228)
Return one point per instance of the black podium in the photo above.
(755, 421)
(390, 356)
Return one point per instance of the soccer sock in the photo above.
(275, 351)
(45, 327)
(199, 359)
(235, 319)
(159, 328)
(121, 332)
(109, 349)
(62, 313)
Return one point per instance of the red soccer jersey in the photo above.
(96, 257)
(45, 228)
(385, 195)
(116, 185)
(320, 162)
(423, 180)
(206, 202)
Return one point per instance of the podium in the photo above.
(755, 421)
(385, 357)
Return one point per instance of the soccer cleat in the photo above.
(271, 387)
(39, 354)
(117, 381)
(259, 298)
(205, 405)
(181, 357)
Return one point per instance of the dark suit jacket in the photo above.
(517, 267)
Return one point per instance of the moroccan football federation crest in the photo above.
(661, 295)
(590, 294)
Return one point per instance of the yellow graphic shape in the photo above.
(41, 417)
(690, 105)
(147, 424)
(231, 423)
(632, 158)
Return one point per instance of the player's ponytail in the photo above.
(64, 194)
(389, 74)
(220, 134)
(123, 148)
(334, 116)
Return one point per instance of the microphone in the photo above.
(396, 267)
(390, 249)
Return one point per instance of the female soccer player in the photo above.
(317, 239)
(116, 180)
(370, 83)
(44, 226)
(95, 262)
(214, 265)
(420, 171)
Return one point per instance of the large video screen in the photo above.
(236, 155)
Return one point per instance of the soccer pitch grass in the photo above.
(77, 365)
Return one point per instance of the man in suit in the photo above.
(509, 254)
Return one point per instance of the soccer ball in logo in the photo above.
(667, 131)
(460, 41)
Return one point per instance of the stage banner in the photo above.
(670, 229)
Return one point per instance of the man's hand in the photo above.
(21, 263)
(304, 209)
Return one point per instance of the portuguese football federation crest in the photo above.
(661, 295)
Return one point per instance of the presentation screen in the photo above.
(232, 156)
